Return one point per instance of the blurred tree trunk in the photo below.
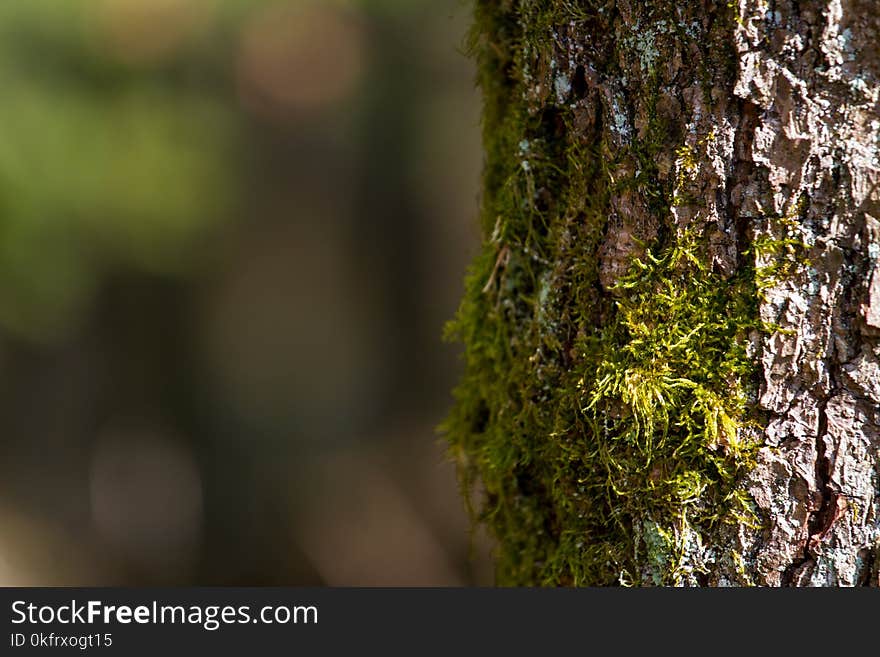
(673, 332)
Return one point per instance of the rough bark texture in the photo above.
(707, 172)
(812, 71)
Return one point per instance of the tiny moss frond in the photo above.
(780, 251)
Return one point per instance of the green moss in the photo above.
(607, 429)
(780, 251)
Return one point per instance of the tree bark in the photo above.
(672, 334)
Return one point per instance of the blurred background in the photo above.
(231, 232)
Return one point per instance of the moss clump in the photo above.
(608, 428)
(779, 252)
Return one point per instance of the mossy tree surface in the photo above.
(672, 330)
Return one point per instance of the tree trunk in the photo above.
(672, 334)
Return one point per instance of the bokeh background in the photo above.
(231, 232)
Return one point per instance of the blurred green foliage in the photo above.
(101, 162)
(230, 232)
(119, 133)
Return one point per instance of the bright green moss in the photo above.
(780, 251)
(608, 429)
